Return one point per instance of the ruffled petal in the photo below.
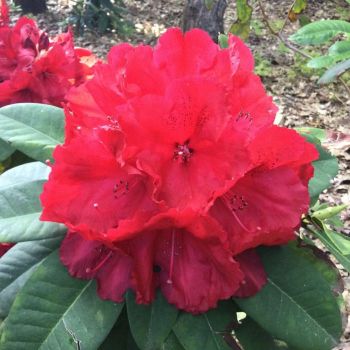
(263, 207)
(185, 54)
(254, 274)
(91, 259)
(194, 274)
(95, 193)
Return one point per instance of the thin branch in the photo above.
(289, 45)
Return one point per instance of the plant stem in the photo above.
(288, 44)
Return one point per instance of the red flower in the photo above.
(172, 172)
(4, 13)
(34, 68)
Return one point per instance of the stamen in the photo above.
(241, 223)
(183, 152)
(100, 264)
(170, 279)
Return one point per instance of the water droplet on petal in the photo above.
(169, 281)
(95, 205)
(258, 228)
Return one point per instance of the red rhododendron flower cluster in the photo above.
(36, 68)
(172, 172)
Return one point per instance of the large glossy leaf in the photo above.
(150, 325)
(17, 265)
(334, 72)
(253, 337)
(33, 129)
(297, 304)
(325, 169)
(120, 338)
(339, 48)
(5, 150)
(319, 32)
(56, 311)
(206, 331)
(20, 206)
(342, 258)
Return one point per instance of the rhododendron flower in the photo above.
(172, 172)
(36, 68)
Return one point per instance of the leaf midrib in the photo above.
(64, 314)
(56, 142)
(303, 310)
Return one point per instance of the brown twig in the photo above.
(288, 44)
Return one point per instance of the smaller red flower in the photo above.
(35, 68)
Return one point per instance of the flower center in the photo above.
(183, 152)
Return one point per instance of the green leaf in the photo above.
(320, 62)
(299, 6)
(318, 133)
(5, 150)
(120, 338)
(297, 304)
(172, 343)
(343, 259)
(20, 206)
(223, 41)
(339, 48)
(244, 14)
(252, 337)
(56, 311)
(206, 331)
(325, 169)
(328, 212)
(150, 324)
(319, 32)
(34, 129)
(334, 72)
(17, 265)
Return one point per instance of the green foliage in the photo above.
(150, 325)
(320, 32)
(206, 331)
(325, 168)
(244, 14)
(20, 207)
(33, 129)
(5, 150)
(18, 264)
(56, 311)
(334, 72)
(300, 309)
(103, 15)
(299, 6)
(338, 58)
(263, 67)
(253, 337)
(223, 41)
